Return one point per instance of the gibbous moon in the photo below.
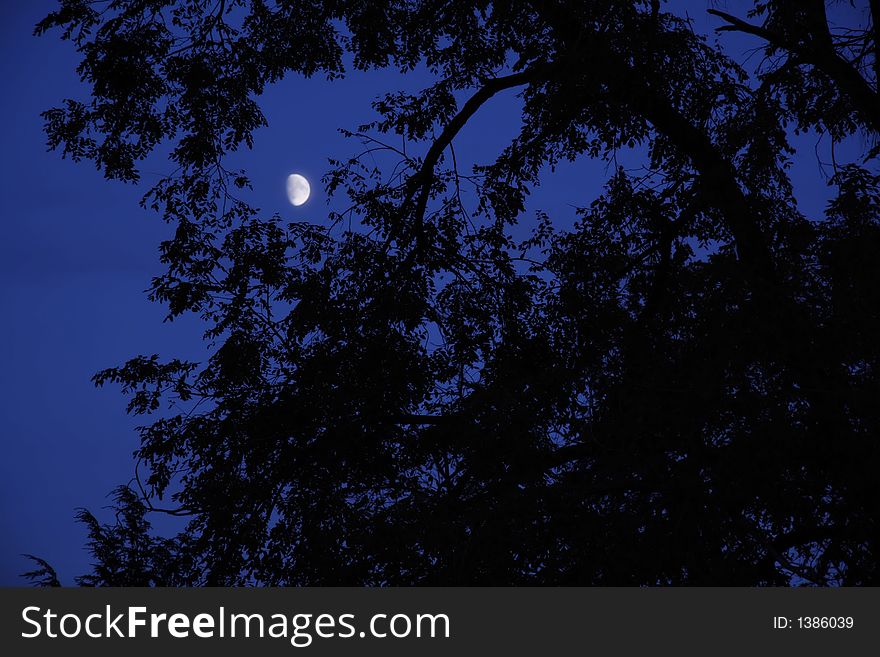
(298, 189)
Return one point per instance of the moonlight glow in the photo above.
(298, 189)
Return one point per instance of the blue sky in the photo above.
(77, 253)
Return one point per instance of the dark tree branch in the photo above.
(715, 171)
(630, 87)
(44, 575)
(421, 181)
(821, 55)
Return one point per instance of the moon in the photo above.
(298, 189)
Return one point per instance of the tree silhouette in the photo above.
(680, 388)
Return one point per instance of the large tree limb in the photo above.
(716, 172)
(420, 183)
(629, 87)
(822, 56)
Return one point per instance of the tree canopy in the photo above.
(680, 388)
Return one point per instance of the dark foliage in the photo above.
(680, 388)
(43, 575)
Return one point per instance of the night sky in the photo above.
(77, 252)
